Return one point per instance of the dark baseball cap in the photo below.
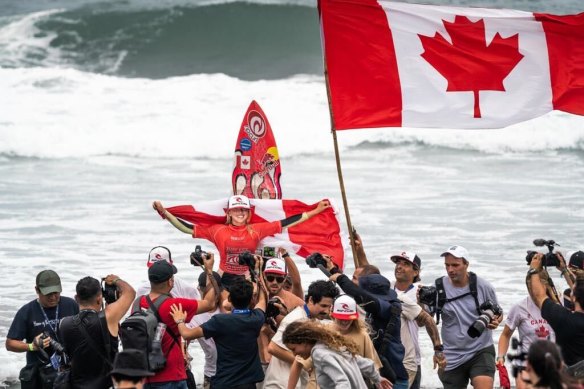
(48, 282)
(376, 285)
(577, 260)
(161, 271)
(131, 363)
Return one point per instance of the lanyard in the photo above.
(240, 311)
(306, 310)
(54, 329)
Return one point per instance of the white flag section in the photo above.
(427, 102)
(407, 65)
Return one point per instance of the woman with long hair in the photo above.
(336, 360)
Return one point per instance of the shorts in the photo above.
(481, 364)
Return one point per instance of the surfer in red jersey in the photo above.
(237, 235)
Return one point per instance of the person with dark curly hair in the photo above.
(336, 360)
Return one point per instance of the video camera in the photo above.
(427, 295)
(550, 258)
(518, 355)
(109, 292)
(489, 309)
(198, 256)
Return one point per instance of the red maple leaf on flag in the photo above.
(468, 63)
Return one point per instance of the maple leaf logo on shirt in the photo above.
(542, 332)
(468, 63)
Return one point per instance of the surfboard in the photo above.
(257, 168)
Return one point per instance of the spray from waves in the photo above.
(62, 113)
(245, 40)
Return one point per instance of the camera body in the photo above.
(247, 259)
(109, 292)
(315, 259)
(550, 258)
(198, 256)
(489, 309)
(428, 295)
(272, 311)
(58, 347)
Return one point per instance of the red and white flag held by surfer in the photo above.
(257, 169)
(320, 234)
(397, 64)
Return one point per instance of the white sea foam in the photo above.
(58, 113)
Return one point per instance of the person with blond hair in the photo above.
(336, 360)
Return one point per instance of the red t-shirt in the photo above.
(231, 241)
(175, 363)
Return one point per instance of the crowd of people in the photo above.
(258, 328)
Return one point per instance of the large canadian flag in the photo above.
(321, 233)
(395, 64)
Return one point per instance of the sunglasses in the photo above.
(279, 280)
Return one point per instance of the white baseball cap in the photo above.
(345, 308)
(276, 266)
(238, 201)
(458, 252)
(159, 253)
(408, 256)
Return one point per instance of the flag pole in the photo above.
(340, 171)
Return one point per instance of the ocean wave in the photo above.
(250, 41)
(63, 113)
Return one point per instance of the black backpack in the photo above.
(139, 329)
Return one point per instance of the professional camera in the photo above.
(489, 310)
(315, 259)
(517, 355)
(109, 292)
(550, 258)
(58, 347)
(247, 259)
(427, 295)
(271, 309)
(198, 256)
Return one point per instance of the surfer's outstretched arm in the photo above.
(179, 224)
(297, 219)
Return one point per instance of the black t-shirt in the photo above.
(30, 321)
(90, 363)
(236, 335)
(569, 329)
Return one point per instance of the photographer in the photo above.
(568, 326)
(280, 303)
(470, 312)
(235, 336)
(40, 317)
(90, 338)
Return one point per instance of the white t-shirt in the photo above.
(526, 317)
(183, 289)
(278, 371)
(409, 328)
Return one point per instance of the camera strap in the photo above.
(101, 319)
(48, 322)
(442, 299)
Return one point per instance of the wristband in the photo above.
(179, 321)
(564, 271)
(439, 348)
(30, 347)
(114, 282)
(285, 255)
(501, 357)
(335, 270)
(532, 271)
